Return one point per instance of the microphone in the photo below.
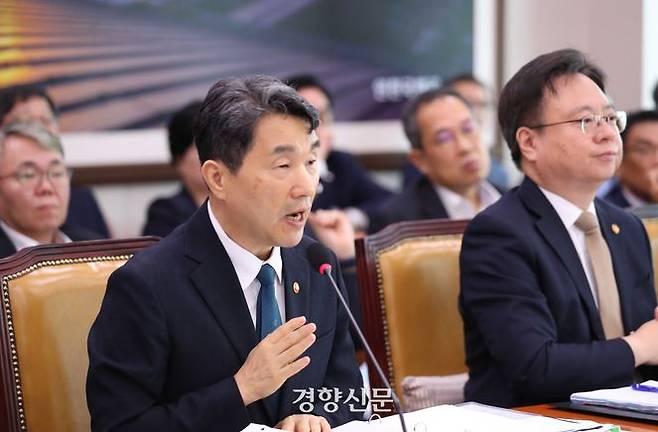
(319, 257)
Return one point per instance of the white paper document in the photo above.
(464, 418)
(623, 397)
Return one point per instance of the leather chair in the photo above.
(50, 296)
(409, 279)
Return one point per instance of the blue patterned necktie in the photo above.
(268, 316)
(268, 319)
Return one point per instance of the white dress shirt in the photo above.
(247, 266)
(459, 207)
(21, 241)
(569, 213)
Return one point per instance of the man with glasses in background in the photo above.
(447, 149)
(557, 291)
(637, 177)
(32, 103)
(34, 189)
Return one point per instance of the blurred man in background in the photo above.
(165, 214)
(447, 149)
(34, 189)
(34, 104)
(479, 97)
(344, 184)
(637, 177)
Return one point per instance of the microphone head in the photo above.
(319, 257)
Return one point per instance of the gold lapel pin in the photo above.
(615, 228)
(295, 287)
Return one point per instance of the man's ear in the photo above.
(417, 157)
(527, 140)
(216, 175)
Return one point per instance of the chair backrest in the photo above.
(651, 225)
(409, 279)
(50, 296)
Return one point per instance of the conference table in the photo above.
(626, 424)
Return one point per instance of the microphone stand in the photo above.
(326, 270)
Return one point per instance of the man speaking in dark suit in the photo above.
(557, 289)
(223, 322)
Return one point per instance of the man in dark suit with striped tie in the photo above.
(557, 287)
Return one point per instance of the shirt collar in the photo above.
(246, 264)
(566, 210)
(452, 200)
(21, 241)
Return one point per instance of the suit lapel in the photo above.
(552, 229)
(618, 255)
(429, 200)
(295, 274)
(7, 248)
(296, 270)
(218, 284)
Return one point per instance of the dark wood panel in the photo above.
(117, 174)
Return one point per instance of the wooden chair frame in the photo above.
(12, 414)
(374, 309)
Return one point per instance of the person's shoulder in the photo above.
(339, 160)
(399, 202)
(166, 253)
(509, 201)
(506, 211)
(341, 156)
(400, 206)
(78, 233)
(170, 202)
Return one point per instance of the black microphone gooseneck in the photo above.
(319, 257)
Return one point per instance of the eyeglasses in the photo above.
(31, 176)
(590, 123)
(447, 136)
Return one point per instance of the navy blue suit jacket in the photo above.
(351, 186)
(85, 213)
(7, 248)
(417, 201)
(616, 196)
(165, 214)
(174, 328)
(532, 331)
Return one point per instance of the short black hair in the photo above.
(180, 130)
(12, 96)
(301, 81)
(521, 99)
(462, 77)
(638, 117)
(226, 121)
(655, 97)
(410, 112)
